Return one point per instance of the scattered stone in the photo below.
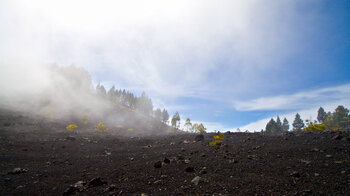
(158, 164)
(157, 182)
(233, 161)
(199, 137)
(329, 156)
(343, 172)
(166, 160)
(186, 161)
(163, 176)
(19, 187)
(307, 191)
(7, 124)
(337, 137)
(96, 182)
(295, 174)
(338, 162)
(7, 179)
(180, 157)
(256, 148)
(131, 158)
(186, 142)
(252, 157)
(69, 191)
(189, 169)
(18, 170)
(307, 162)
(80, 185)
(111, 187)
(196, 180)
(148, 146)
(203, 170)
(317, 174)
(71, 138)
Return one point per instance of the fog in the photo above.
(64, 93)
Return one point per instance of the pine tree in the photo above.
(158, 114)
(278, 125)
(285, 125)
(100, 89)
(298, 123)
(341, 116)
(144, 104)
(321, 115)
(271, 127)
(111, 94)
(165, 116)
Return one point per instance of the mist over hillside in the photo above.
(67, 93)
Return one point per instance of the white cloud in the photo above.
(298, 100)
(168, 48)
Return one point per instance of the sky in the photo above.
(227, 64)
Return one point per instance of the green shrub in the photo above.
(315, 127)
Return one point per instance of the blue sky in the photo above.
(227, 64)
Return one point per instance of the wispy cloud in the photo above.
(297, 101)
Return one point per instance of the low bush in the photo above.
(71, 127)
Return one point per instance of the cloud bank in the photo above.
(169, 48)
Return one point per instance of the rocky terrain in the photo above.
(42, 158)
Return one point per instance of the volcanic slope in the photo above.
(41, 157)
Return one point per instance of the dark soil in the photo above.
(52, 161)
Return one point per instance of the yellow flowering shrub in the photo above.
(130, 129)
(313, 126)
(101, 127)
(218, 139)
(71, 127)
(85, 119)
(49, 114)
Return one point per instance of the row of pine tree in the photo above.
(325, 121)
(143, 103)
